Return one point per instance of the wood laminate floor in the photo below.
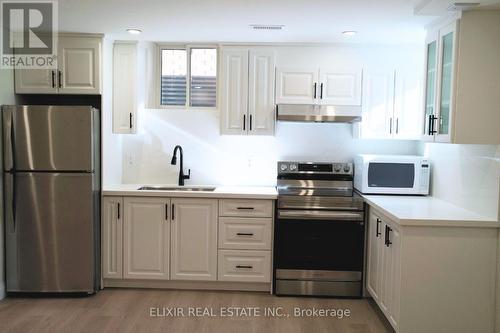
(129, 310)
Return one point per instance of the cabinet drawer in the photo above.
(244, 266)
(246, 208)
(245, 233)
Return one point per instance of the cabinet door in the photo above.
(79, 61)
(261, 92)
(447, 53)
(385, 261)
(296, 85)
(124, 88)
(340, 86)
(378, 104)
(112, 236)
(35, 81)
(407, 120)
(374, 254)
(431, 66)
(194, 239)
(234, 91)
(146, 241)
(393, 274)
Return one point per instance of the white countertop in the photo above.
(234, 192)
(427, 211)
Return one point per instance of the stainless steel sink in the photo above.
(177, 188)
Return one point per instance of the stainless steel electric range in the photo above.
(319, 231)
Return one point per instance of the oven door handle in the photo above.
(320, 215)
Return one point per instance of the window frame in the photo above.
(187, 48)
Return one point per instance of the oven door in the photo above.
(320, 240)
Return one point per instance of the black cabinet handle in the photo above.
(244, 234)
(377, 231)
(321, 91)
(250, 123)
(397, 125)
(53, 79)
(245, 208)
(431, 124)
(389, 243)
(119, 211)
(60, 79)
(166, 212)
(130, 121)
(390, 125)
(315, 84)
(244, 266)
(244, 122)
(173, 212)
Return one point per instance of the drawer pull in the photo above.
(244, 266)
(245, 208)
(244, 234)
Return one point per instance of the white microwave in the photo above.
(392, 174)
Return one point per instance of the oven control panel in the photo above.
(315, 168)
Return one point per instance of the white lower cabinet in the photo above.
(244, 266)
(146, 238)
(194, 239)
(186, 239)
(112, 237)
(421, 276)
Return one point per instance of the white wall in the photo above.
(6, 97)
(242, 160)
(466, 175)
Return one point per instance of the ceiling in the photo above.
(380, 21)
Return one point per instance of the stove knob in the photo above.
(337, 167)
(293, 167)
(347, 168)
(284, 167)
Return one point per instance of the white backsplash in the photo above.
(235, 160)
(466, 175)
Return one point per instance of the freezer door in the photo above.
(48, 138)
(50, 245)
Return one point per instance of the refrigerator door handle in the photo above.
(9, 144)
(10, 201)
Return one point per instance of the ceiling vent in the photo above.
(266, 27)
(462, 6)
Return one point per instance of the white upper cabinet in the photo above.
(35, 81)
(378, 104)
(340, 86)
(390, 108)
(261, 92)
(194, 239)
(462, 80)
(234, 90)
(296, 85)
(247, 91)
(79, 62)
(326, 86)
(78, 72)
(125, 87)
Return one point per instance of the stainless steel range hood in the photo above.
(318, 113)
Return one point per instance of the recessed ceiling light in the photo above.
(349, 33)
(134, 31)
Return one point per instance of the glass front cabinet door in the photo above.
(439, 87)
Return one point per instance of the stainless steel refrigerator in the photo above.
(51, 164)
